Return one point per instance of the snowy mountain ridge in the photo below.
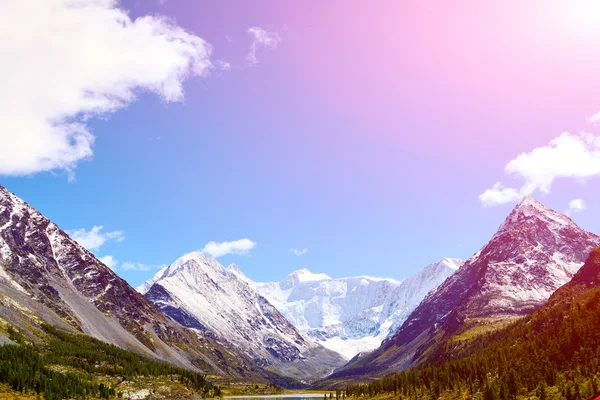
(353, 314)
(347, 315)
(200, 293)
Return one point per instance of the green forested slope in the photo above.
(77, 366)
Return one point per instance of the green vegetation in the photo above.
(80, 367)
(554, 354)
(251, 389)
(480, 327)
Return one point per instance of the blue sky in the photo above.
(374, 169)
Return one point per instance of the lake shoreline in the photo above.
(273, 396)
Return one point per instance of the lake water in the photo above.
(301, 396)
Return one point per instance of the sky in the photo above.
(346, 137)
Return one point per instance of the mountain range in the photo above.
(354, 314)
(195, 313)
(47, 277)
(203, 316)
(345, 315)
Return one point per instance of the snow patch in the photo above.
(144, 287)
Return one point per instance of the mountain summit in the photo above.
(534, 252)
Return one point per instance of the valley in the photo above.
(203, 328)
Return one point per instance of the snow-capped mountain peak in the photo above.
(531, 201)
(453, 263)
(195, 262)
(435, 268)
(219, 302)
(302, 275)
(235, 269)
(535, 251)
(529, 209)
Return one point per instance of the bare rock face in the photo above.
(535, 251)
(45, 276)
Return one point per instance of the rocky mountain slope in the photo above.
(551, 353)
(354, 314)
(45, 276)
(535, 251)
(203, 295)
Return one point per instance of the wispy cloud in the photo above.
(135, 266)
(498, 194)
(594, 119)
(566, 156)
(113, 264)
(261, 38)
(239, 247)
(109, 261)
(94, 238)
(79, 59)
(223, 65)
(298, 252)
(575, 206)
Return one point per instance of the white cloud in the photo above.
(95, 238)
(64, 61)
(113, 264)
(298, 252)
(261, 38)
(566, 156)
(223, 65)
(109, 261)
(575, 206)
(594, 119)
(240, 247)
(498, 194)
(135, 266)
